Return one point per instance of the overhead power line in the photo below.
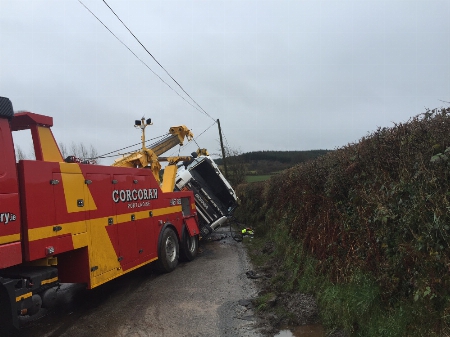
(127, 147)
(145, 64)
(197, 107)
(209, 127)
(193, 100)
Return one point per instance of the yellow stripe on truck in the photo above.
(103, 278)
(75, 188)
(79, 226)
(167, 210)
(9, 238)
(80, 240)
(47, 232)
(24, 296)
(50, 280)
(101, 250)
(50, 150)
(74, 228)
(121, 218)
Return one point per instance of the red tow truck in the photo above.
(79, 223)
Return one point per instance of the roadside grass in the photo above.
(355, 307)
(254, 247)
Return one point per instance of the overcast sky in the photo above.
(280, 75)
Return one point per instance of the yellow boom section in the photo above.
(177, 135)
(148, 157)
(143, 158)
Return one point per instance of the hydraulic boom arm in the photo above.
(148, 157)
(176, 136)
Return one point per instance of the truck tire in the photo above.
(189, 247)
(37, 304)
(168, 251)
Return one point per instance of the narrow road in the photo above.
(199, 298)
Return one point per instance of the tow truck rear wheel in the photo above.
(168, 251)
(189, 247)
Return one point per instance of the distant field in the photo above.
(253, 179)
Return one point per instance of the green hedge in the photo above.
(380, 207)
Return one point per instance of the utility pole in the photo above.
(223, 150)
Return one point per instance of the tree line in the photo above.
(240, 164)
(78, 150)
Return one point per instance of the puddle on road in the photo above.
(302, 331)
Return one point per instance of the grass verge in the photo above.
(354, 307)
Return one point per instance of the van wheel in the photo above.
(189, 247)
(168, 251)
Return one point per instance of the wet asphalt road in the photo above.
(199, 298)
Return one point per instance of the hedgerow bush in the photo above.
(379, 207)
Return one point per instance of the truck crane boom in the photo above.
(148, 157)
(176, 136)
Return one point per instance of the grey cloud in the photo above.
(280, 75)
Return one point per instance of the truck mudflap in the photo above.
(191, 225)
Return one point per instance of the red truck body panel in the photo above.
(72, 206)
